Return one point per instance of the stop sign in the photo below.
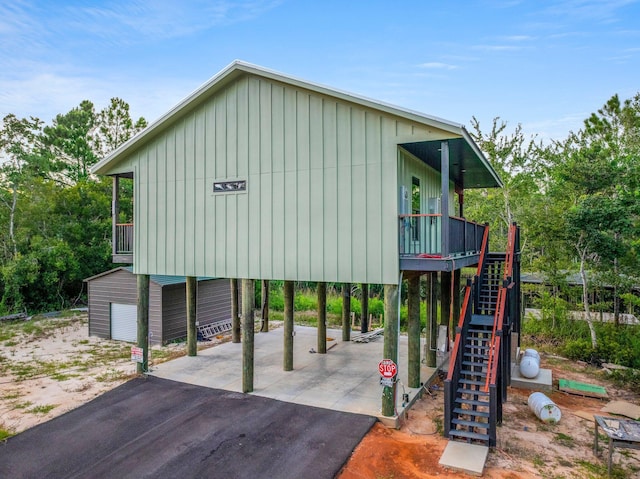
(387, 368)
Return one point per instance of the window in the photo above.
(415, 208)
(229, 186)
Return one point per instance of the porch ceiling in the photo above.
(468, 168)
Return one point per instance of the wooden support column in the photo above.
(264, 313)
(115, 212)
(288, 326)
(445, 301)
(235, 316)
(322, 318)
(432, 319)
(457, 302)
(444, 172)
(192, 298)
(364, 309)
(346, 312)
(142, 282)
(248, 298)
(413, 330)
(390, 344)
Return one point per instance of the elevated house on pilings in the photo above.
(261, 176)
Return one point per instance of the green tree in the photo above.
(17, 144)
(514, 157)
(69, 143)
(114, 127)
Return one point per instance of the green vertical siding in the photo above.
(322, 188)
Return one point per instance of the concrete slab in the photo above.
(543, 382)
(469, 458)
(345, 379)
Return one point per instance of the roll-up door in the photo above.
(124, 322)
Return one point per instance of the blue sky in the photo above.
(545, 64)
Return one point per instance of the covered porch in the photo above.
(346, 378)
(433, 233)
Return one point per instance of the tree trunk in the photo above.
(390, 348)
(192, 302)
(585, 299)
(235, 316)
(288, 325)
(248, 300)
(346, 312)
(322, 318)
(12, 215)
(264, 325)
(616, 299)
(413, 331)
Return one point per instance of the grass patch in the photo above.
(564, 440)
(10, 343)
(600, 470)
(22, 405)
(111, 375)
(10, 395)
(42, 409)
(30, 370)
(63, 376)
(5, 433)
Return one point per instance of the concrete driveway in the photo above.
(152, 427)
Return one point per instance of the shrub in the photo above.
(304, 302)
(334, 305)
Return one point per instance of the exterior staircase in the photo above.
(479, 367)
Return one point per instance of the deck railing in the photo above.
(422, 235)
(124, 238)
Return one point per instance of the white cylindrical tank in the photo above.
(544, 408)
(530, 364)
(533, 353)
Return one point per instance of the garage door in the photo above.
(124, 324)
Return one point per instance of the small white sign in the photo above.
(387, 382)
(137, 354)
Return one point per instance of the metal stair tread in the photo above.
(481, 320)
(472, 382)
(469, 435)
(473, 392)
(472, 402)
(464, 422)
(479, 374)
(472, 363)
(470, 412)
(476, 355)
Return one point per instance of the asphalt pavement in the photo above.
(157, 428)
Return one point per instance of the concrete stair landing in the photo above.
(469, 458)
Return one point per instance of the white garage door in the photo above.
(124, 324)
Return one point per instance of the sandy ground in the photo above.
(58, 367)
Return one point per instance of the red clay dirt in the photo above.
(527, 447)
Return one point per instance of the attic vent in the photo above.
(229, 186)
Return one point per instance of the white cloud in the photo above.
(128, 21)
(599, 10)
(438, 66)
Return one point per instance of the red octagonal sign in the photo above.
(387, 368)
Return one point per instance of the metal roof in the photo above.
(466, 166)
(463, 149)
(161, 280)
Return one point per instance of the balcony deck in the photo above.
(123, 243)
(427, 243)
